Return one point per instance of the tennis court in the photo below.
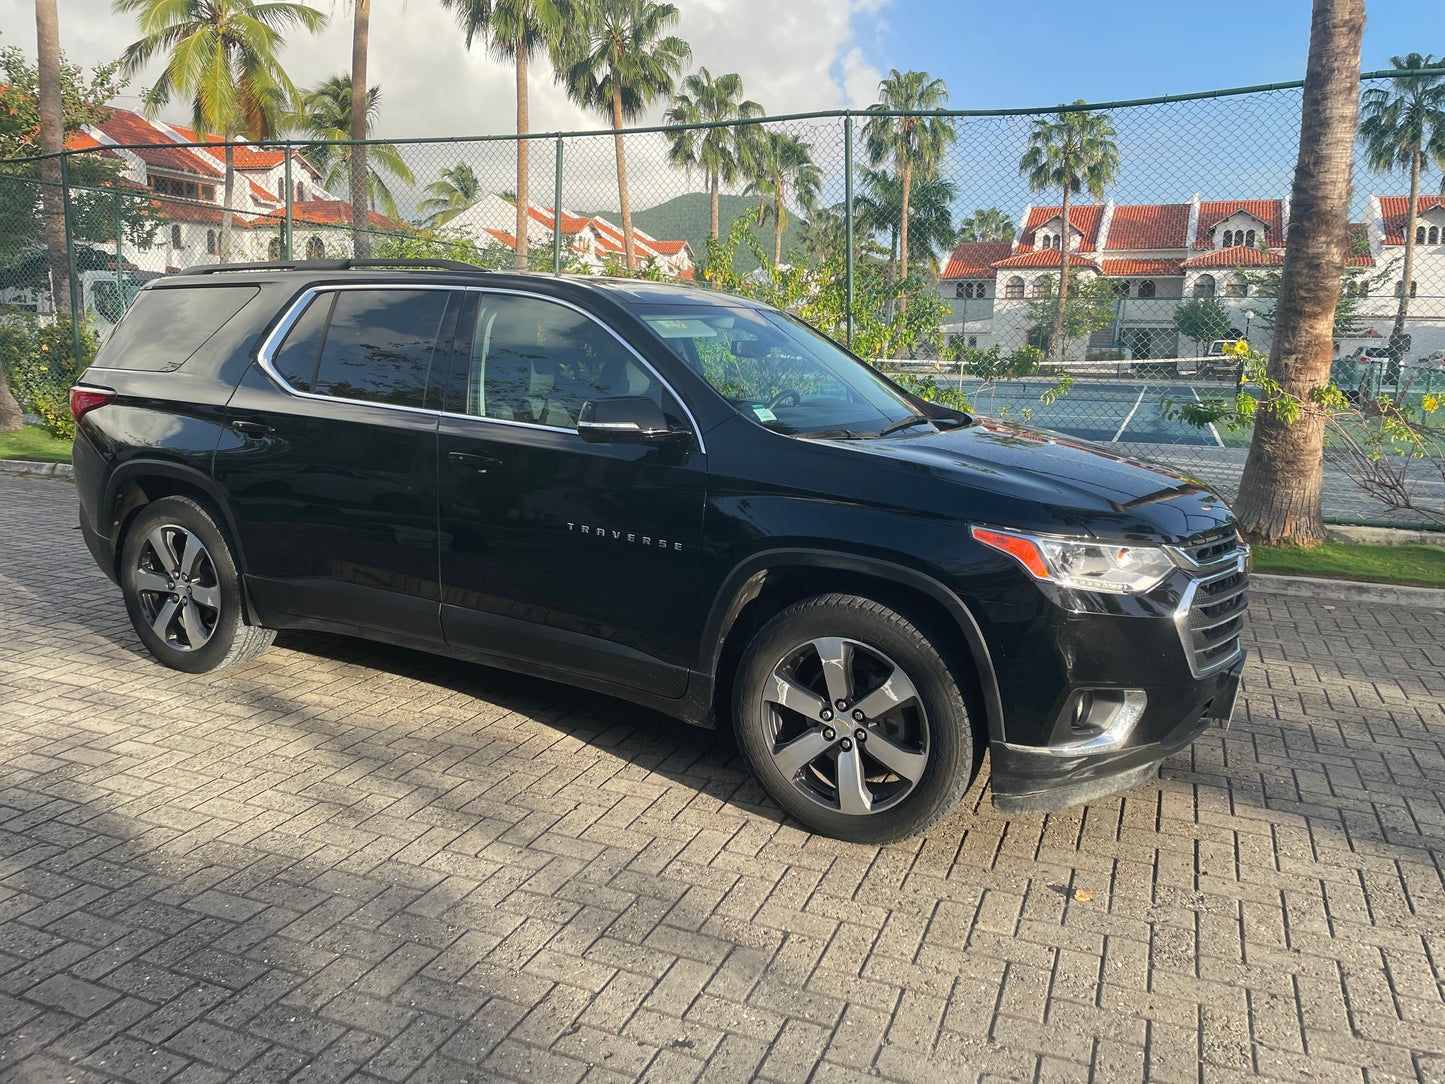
(1112, 411)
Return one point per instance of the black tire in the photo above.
(190, 619)
(930, 720)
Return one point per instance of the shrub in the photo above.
(38, 362)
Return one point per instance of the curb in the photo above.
(1385, 594)
(29, 469)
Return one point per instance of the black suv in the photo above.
(688, 500)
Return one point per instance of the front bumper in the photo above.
(1028, 779)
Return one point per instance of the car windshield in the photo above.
(782, 374)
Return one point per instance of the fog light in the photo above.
(1100, 720)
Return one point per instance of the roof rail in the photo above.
(330, 265)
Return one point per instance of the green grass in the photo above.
(1419, 566)
(33, 443)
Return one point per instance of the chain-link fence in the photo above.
(1174, 238)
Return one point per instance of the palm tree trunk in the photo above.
(903, 223)
(715, 203)
(622, 174)
(522, 149)
(360, 204)
(1280, 491)
(1404, 309)
(777, 231)
(1056, 335)
(228, 193)
(52, 142)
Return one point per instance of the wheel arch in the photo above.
(767, 582)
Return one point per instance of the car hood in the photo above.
(1083, 487)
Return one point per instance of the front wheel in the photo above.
(853, 722)
(182, 590)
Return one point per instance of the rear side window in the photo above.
(165, 327)
(378, 345)
(296, 360)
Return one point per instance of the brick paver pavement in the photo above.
(350, 862)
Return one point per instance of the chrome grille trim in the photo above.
(1211, 612)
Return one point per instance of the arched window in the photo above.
(1434, 235)
(300, 190)
(280, 188)
(175, 236)
(1227, 241)
(1041, 286)
(273, 249)
(1056, 242)
(1014, 287)
(1249, 238)
(315, 250)
(211, 242)
(1121, 288)
(1236, 287)
(1146, 288)
(1419, 235)
(1204, 286)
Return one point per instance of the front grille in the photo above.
(1211, 616)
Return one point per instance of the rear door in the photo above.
(582, 557)
(330, 460)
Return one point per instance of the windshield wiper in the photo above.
(832, 434)
(904, 423)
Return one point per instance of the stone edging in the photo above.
(32, 469)
(1383, 594)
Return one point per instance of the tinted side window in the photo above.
(164, 327)
(535, 361)
(379, 345)
(296, 360)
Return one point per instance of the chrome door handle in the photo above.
(479, 463)
(251, 429)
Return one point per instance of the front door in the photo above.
(330, 460)
(583, 557)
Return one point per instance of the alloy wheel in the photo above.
(179, 592)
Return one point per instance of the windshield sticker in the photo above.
(672, 327)
(764, 414)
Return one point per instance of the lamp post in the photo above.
(1248, 319)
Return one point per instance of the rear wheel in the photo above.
(853, 722)
(182, 590)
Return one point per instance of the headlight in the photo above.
(1085, 566)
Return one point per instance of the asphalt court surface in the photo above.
(1110, 412)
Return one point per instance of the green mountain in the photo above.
(688, 218)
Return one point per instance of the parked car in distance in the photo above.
(691, 501)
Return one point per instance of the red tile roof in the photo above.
(668, 248)
(1141, 267)
(243, 156)
(1044, 257)
(975, 259)
(123, 126)
(325, 212)
(1395, 210)
(1084, 218)
(504, 237)
(1268, 211)
(1235, 256)
(208, 214)
(1148, 225)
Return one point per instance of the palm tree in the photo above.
(715, 151)
(52, 142)
(930, 213)
(1280, 490)
(986, 225)
(516, 30)
(783, 165)
(616, 57)
(1404, 127)
(358, 113)
(457, 190)
(324, 113)
(222, 56)
(1075, 151)
(913, 144)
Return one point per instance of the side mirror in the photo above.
(625, 419)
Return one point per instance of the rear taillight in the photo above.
(84, 400)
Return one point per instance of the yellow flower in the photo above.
(1431, 404)
(45, 346)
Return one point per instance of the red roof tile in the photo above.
(1395, 210)
(1268, 211)
(186, 211)
(668, 248)
(1084, 218)
(1141, 267)
(1235, 256)
(1148, 225)
(975, 259)
(1044, 257)
(123, 126)
(325, 212)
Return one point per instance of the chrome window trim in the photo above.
(267, 351)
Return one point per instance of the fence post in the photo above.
(119, 257)
(557, 213)
(286, 244)
(70, 260)
(848, 218)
